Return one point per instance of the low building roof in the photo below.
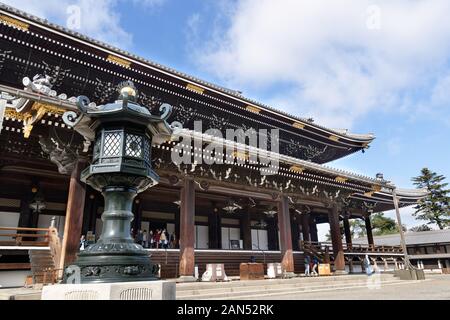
(411, 238)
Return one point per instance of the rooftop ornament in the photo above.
(120, 169)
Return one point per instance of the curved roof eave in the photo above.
(364, 139)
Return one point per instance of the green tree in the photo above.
(381, 225)
(357, 228)
(434, 208)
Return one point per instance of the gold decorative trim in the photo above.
(341, 179)
(14, 22)
(37, 112)
(195, 88)
(296, 169)
(45, 108)
(253, 109)
(334, 138)
(240, 155)
(114, 59)
(369, 193)
(298, 125)
(13, 114)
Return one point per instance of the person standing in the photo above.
(163, 239)
(145, 239)
(82, 243)
(152, 240)
(139, 237)
(307, 266)
(173, 241)
(157, 236)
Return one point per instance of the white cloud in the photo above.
(99, 19)
(326, 60)
(149, 3)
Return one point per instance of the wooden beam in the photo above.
(74, 217)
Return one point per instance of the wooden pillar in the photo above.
(295, 230)
(348, 233)
(74, 217)
(272, 234)
(98, 200)
(25, 212)
(246, 230)
(187, 230)
(305, 227)
(90, 211)
(137, 212)
(284, 220)
(369, 230)
(313, 229)
(177, 228)
(335, 231)
(28, 218)
(214, 228)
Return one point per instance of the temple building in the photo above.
(243, 206)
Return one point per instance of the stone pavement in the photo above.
(435, 287)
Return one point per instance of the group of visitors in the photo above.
(160, 238)
(311, 266)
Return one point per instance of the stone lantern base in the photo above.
(118, 262)
(142, 290)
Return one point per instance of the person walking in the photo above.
(315, 265)
(368, 266)
(307, 266)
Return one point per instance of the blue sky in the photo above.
(368, 66)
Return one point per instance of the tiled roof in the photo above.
(366, 138)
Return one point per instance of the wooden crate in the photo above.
(251, 271)
(324, 269)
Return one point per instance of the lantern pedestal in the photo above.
(115, 257)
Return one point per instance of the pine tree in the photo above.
(434, 208)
